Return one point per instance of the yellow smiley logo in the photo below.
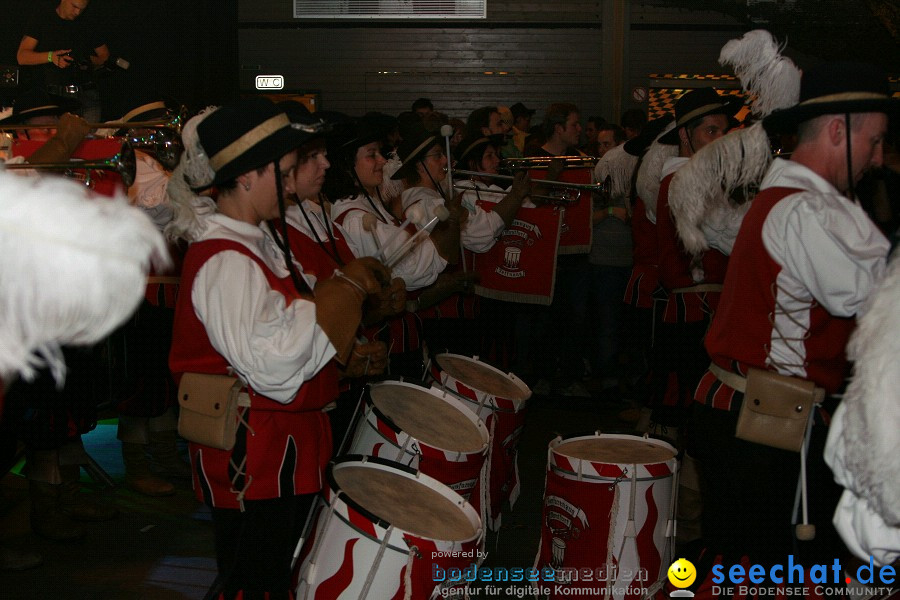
(682, 573)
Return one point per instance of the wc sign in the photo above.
(269, 82)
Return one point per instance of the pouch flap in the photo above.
(770, 393)
(207, 394)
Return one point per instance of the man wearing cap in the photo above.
(521, 124)
(701, 117)
(804, 262)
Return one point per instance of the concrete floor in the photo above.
(163, 548)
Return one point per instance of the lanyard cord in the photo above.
(336, 256)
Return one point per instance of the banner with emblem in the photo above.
(521, 266)
(575, 237)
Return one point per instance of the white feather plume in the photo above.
(196, 168)
(648, 177)
(872, 405)
(772, 80)
(187, 207)
(391, 188)
(619, 166)
(73, 266)
(701, 190)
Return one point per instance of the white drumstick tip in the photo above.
(416, 214)
(447, 130)
(368, 222)
(441, 213)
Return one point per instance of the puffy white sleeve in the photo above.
(481, 229)
(830, 245)
(274, 347)
(419, 268)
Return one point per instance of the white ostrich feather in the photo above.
(619, 166)
(391, 188)
(648, 177)
(196, 168)
(772, 80)
(872, 402)
(701, 190)
(73, 266)
(187, 207)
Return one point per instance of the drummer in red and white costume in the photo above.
(803, 264)
(701, 117)
(369, 224)
(246, 308)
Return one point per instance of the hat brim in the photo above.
(410, 161)
(265, 151)
(730, 107)
(787, 120)
(52, 110)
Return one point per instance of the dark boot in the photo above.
(46, 518)
(164, 454)
(137, 472)
(73, 503)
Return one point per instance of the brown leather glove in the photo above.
(70, 132)
(370, 358)
(389, 301)
(339, 301)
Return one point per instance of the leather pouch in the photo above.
(776, 409)
(209, 409)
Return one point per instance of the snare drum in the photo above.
(425, 429)
(608, 509)
(384, 531)
(499, 399)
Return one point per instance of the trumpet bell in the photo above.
(164, 144)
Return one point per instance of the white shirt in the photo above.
(419, 268)
(273, 346)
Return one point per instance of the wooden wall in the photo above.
(547, 51)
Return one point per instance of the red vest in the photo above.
(290, 444)
(645, 271)
(675, 267)
(742, 330)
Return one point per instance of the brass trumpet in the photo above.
(174, 123)
(543, 162)
(123, 163)
(566, 189)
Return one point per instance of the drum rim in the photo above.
(475, 420)
(559, 441)
(517, 381)
(462, 503)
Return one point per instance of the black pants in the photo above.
(254, 548)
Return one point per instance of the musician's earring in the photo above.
(246, 186)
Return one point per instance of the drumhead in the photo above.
(481, 377)
(426, 417)
(404, 502)
(616, 450)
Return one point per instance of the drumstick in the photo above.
(440, 214)
(447, 132)
(414, 214)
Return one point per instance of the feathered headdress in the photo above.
(872, 415)
(700, 196)
(648, 177)
(619, 166)
(73, 267)
(391, 188)
(193, 171)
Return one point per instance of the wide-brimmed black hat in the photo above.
(518, 110)
(249, 134)
(697, 104)
(412, 149)
(638, 144)
(472, 147)
(38, 103)
(835, 88)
